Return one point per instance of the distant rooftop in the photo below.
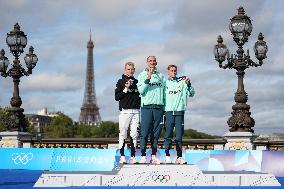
(44, 112)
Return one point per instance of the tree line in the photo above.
(63, 126)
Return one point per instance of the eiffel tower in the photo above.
(89, 111)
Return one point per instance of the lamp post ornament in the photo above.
(17, 41)
(240, 27)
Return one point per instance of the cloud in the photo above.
(52, 83)
(32, 105)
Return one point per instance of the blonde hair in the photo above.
(129, 64)
(172, 66)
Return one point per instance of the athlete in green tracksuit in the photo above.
(151, 86)
(176, 93)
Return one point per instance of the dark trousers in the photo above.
(177, 122)
(150, 125)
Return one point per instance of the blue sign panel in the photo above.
(88, 159)
(225, 160)
(80, 159)
(25, 158)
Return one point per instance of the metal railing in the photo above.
(202, 144)
(104, 143)
(274, 145)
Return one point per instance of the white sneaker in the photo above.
(168, 160)
(132, 160)
(180, 160)
(143, 160)
(155, 160)
(122, 160)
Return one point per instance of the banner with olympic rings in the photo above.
(25, 158)
(87, 159)
(57, 159)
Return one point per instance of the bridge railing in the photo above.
(204, 144)
(104, 143)
(274, 145)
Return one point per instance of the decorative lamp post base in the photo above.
(17, 119)
(239, 141)
(14, 139)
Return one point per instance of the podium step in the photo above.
(156, 175)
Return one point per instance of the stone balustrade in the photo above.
(260, 143)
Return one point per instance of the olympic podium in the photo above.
(65, 167)
(156, 175)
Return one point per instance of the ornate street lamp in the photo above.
(17, 41)
(240, 27)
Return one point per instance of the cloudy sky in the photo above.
(180, 32)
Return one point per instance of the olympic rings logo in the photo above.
(161, 178)
(22, 158)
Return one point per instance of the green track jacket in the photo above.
(151, 92)
(176, 94)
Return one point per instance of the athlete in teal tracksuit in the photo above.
(176, 93)
(151, 85)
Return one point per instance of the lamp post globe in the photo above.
(240, 27)
(16, 40)
(30, 60)
(220, 51)
(4, 62)
(260, 48)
